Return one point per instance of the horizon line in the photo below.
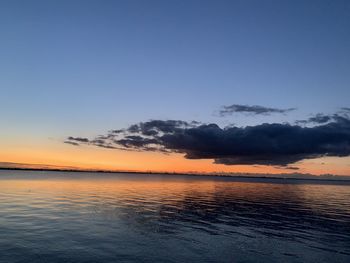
(297, 176)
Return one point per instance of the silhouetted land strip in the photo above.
(241, 176)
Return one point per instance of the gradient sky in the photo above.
(82, 68)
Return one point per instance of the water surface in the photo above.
(85, 217)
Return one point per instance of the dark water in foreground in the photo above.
(77, 217)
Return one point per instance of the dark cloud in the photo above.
(346, 109)
(255, 109)
(155, 127)
(72, 143)
(318, 119)
(292, 168)
(117, 131)
(133, 141)
(78, 139)
(100, 141)
(264, 144)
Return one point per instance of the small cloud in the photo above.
(78, 139)
(345, 109)
(255, 110)
(72, 143)
(319, 118)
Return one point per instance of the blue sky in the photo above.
(84, 67)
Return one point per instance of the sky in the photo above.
(75, 70)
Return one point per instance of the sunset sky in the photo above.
(200, 86)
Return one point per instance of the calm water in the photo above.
(80, 217)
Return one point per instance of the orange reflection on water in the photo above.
(154, 191)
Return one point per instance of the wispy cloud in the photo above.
(254, 109)
(318, 119)
(71, 142)
(78, 139)
(321, 118)
(346, 109)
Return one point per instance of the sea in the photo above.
(49, 216)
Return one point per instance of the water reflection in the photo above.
(88, 218)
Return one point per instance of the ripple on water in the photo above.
(54, 217)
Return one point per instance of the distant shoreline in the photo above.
(238, 176)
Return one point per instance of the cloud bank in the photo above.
(276, 144)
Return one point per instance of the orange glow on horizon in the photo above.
(86, 157)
